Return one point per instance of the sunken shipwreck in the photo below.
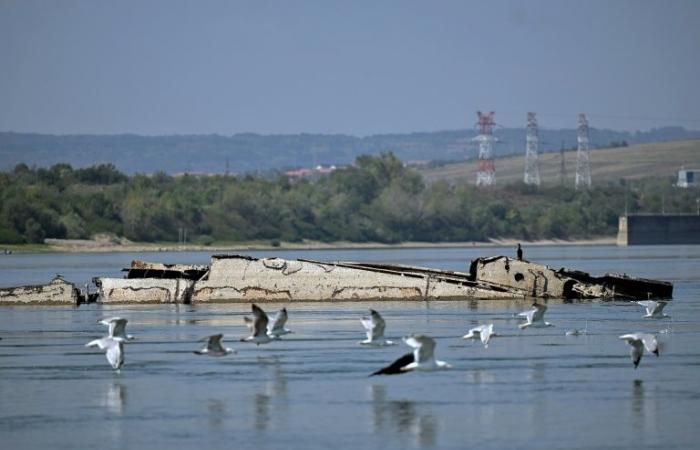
(240, 278)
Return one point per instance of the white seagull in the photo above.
(276, 328)
(535, 317)
(422, 358)
(638, 342)
(375, 325)
(257, 326)
(483, 332)
(113, 348)
(214, 347)
(655, 310)
(117, 328)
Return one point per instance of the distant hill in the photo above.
(661, 159)
(253, 152)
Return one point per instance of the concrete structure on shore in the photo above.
(648, 229)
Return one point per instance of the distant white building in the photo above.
(688, 178)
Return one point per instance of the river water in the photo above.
(529, 389)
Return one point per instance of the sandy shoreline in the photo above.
(102, 247)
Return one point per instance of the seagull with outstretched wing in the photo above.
(213, 346)
(483, 332)
(257, 326)
(639, 342)
(113, 348)
(275, 328)
(655, 309)
(375, 326)
(117, 328)
(535, 317)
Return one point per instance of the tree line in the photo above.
(377, 199)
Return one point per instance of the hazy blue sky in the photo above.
(357, 67)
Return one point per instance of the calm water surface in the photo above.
(530, 389)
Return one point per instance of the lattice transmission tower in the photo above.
(532, 163)
(583, 155)
(486, 171)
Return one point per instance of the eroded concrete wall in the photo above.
(247, 279)
(58, 291)
(531, 279)
(146, 290)
(535, 280)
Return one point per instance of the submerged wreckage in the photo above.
(238, 278)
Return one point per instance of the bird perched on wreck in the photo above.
(375, 325)
(113, 348)
(639, 342)
(117, 328)
(655, 309)
(276, 328)
(483, 332)
(213, 346)
(257, 326)
(535, 317)
(422, 358)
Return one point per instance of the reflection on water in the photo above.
(272, 398)
(638, 404)
(261, 414)
(401, 416)
(645, 408)
(114, 399)
(216, 409)
(538, 406)
(479, 376)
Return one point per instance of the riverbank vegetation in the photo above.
(377, 199)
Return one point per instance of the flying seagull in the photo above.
(214, 347)
(483, 332)
(276, 328)
(655, 310)
(422, 358)
(257, 326)
(535, 317)
(638, 342)
(113, 348)
(375, 325)
(117, 328)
